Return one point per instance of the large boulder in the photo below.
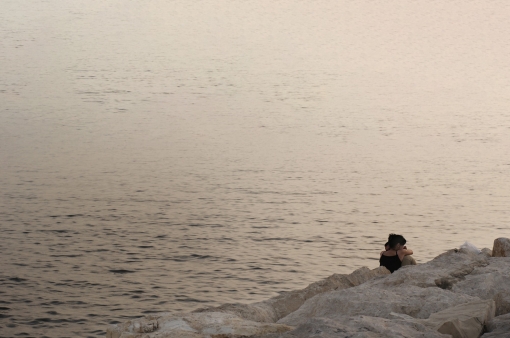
(466, 320)
(410, 300)
(499, 327)
(271, 310)
(501, 247)
(192, 325)
(489, 282)
(360, 327)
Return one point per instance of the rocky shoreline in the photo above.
(461, 293)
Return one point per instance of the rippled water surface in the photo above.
(166, 155)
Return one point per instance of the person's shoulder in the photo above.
(406, 252)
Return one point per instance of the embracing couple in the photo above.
(396, 253)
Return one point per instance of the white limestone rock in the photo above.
(411, 300)
(501, 247)
(271, 310)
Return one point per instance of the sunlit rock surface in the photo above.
(460, 293)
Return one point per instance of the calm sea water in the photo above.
(166, 155)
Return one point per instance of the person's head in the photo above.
(387, 244)
(396, 242)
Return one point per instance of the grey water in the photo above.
(166, 155)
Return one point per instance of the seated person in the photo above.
(407, 260)
(396, 251)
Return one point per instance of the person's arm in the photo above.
(404, 252)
